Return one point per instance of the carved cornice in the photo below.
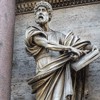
(27, 6)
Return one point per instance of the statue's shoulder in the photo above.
(31, 29)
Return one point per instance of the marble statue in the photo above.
(56, 55)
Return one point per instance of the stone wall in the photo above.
(83, 21)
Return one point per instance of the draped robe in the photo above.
(53, 77)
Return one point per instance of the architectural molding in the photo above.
(25, 6)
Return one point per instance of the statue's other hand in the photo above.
(77, 52)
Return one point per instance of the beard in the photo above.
(41, 19)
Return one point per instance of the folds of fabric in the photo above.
(56, 73)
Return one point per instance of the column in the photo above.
(7, 16)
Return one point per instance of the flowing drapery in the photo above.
(55, 75)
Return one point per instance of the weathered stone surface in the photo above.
(83, 21)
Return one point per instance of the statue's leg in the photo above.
(59, 88)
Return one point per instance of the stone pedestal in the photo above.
(7, 16)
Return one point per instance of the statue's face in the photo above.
(41, 15)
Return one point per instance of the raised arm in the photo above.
(41, 41)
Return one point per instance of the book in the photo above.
(85, 60)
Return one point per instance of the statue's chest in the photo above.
(53, 38)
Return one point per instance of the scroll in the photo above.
(85, 60)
